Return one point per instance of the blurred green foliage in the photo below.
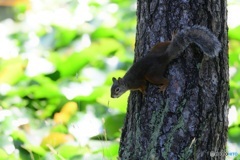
(56, 64)
(234, 72)
(55, 75)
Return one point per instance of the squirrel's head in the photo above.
(118, 87)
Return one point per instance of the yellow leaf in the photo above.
(55, 139)
(61, 117)
(69, 108)
(11, 71)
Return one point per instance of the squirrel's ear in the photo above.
(114, 79)
(120, 81)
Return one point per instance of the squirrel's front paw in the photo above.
(162, 88)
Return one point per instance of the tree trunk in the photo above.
(190, 120)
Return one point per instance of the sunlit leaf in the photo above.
(48, 111)
(234, 134)
(115, 103)
(3, 155)
(55, 139)
(61, 118)
(108, 149)
(19, 135)
(70, 65)
(60, 128)
(71, 151)
(107, 32)
(11, 71)
(36, 149)
(234, 33)
(234, 93)
(111, 151)
(37, 88)
(234, 50)
(69, 108)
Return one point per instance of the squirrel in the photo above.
(151, 68)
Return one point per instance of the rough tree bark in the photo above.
(190, 119)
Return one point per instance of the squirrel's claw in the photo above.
(162, 88)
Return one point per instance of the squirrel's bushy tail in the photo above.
(199, 35)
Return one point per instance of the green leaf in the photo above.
(113, 125)
(12, 70)
(60, 128)
(48, 111)
(111, 151)
(19, 38)
(234, 91)
(3, 155)
(19, 135)
(21, 8)
(71, 151)
(70, 65)
(119, 104)
(234, 50)
(104, 32)
(36, 149)
(234, 33)
(108, 149)
(37, 87)
(59, 37)
(6, 156)
(234, 134)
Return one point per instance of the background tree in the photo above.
(190, 120)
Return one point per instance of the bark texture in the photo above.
(190, 119)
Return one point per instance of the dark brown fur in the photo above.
(151, 68)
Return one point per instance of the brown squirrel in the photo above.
(151, 68)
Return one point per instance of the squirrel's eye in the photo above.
(117, 90)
